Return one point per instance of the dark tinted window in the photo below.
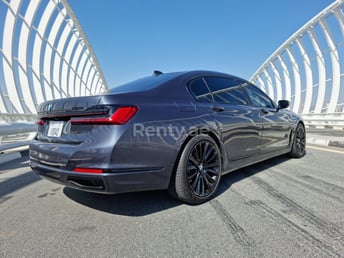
(200, 90)
(258, 98)
(227, 90)
(145, 83)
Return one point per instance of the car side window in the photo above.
(258, 98)
(227, 91)
(200, 90)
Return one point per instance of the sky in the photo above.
(131, 38)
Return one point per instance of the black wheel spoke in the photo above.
(207, 179)
(191, 167)
(205, 151)
(198, 152)
(198, 184)
(193, 159)
(212, 165)
(194, 183)
(191, 177)
(212, 156)
(202, 186)
(191, 173)
(213, 171)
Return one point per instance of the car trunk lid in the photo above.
(55, 118)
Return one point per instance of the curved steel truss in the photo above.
(44, 54)
(308, 68)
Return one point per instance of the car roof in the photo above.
(163, 81)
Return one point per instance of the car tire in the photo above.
(298, 149)
(198, 171)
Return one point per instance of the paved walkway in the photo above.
(324, 137)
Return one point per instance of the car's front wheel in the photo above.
(198, 172)
(298, 149)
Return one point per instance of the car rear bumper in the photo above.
(122, 181)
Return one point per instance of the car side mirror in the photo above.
(283, 104)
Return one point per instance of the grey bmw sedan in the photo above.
(178, 131)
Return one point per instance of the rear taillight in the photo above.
(40, 122)
(119, 117)
(88, 170)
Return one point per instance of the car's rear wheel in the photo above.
(298, 149)
(198, 172)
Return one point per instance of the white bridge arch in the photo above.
(44, 54)
(308, 69)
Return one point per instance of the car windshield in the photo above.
(145, 83)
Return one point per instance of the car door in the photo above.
(275, 124)
(238, 123)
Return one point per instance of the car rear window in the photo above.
(145, 83)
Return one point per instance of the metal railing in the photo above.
(325, 120)
(15, 137)
(307, 69)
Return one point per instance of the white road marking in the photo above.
(324, 149)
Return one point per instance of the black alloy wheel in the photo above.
(202, 169)
(299, 145)
(199, 170)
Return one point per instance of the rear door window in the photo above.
(227, 91)
(259, 98)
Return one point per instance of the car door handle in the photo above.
(218, 109)
(264, 111)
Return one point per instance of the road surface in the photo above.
(279, 208)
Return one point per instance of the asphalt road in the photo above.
(279, 208)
